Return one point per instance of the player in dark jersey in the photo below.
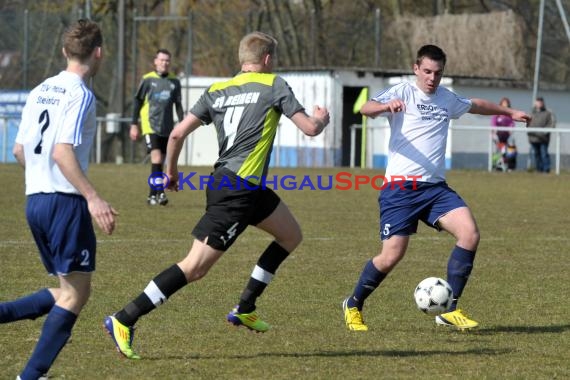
(245, 111)
(158, 92)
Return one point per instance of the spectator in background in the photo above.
(505, 156)
(541, 118)
(158, 91)
(502, 121)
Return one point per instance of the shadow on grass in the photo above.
(523, 329)
(347, 353)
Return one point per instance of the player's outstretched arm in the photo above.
(485, 107)
(373, 108)
(312, 125)
(175, 143)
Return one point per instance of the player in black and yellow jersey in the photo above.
(158, 92)
(245, 112)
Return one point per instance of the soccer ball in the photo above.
(433, 296)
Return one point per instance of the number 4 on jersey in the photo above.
(231, 122)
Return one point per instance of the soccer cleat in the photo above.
(122, 336)
(353, 317)
(43, 377)
(151, 200)
(162, 200)
(456, 318)
(249, 320)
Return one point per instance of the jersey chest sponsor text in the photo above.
(432, 112)
(162, 96)
(49, 94)
(236, 100)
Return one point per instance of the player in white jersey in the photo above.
(53, 145)
(419, 114)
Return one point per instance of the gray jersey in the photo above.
(154, 100)
(245, 111)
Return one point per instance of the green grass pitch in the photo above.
(518, 290)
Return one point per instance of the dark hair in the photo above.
(81, 38)
(505, 99)
(432, 52)
(163, 51)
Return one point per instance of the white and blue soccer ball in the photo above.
(433, 296)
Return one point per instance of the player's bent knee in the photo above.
(469, 241)
(73, 301)
(297, 238)
(196, 275)
(473, 239)
(291, 241)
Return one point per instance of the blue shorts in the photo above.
(402, 208)
(62, 228)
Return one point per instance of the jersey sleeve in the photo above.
(70, 127)
(284, 98)
(202, 107)
(23, 129)
(142, 90)
(387, 94)
(138, 100)
(177, 95)
(458, 106)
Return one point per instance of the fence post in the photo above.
(490, 161)
(352, 142)
(557, 152)
(4, 139)
(98, 142)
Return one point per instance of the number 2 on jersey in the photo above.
(44, 122)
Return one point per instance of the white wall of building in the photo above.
(201, 146)
(325, 87)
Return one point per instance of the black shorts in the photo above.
(231, 208)
(154, 141)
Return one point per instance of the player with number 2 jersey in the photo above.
(53, 144)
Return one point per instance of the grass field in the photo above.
(518, 289)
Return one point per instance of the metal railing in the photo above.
(110, 125)
(113, 124)
(556, 132)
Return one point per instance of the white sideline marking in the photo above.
(6, 243)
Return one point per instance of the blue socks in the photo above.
(30, 307)
(55, 333)
(369, 280)
(459, 268)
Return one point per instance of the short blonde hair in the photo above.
(254, 46)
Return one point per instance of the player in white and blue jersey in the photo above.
(419, 114)
(53, 144)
